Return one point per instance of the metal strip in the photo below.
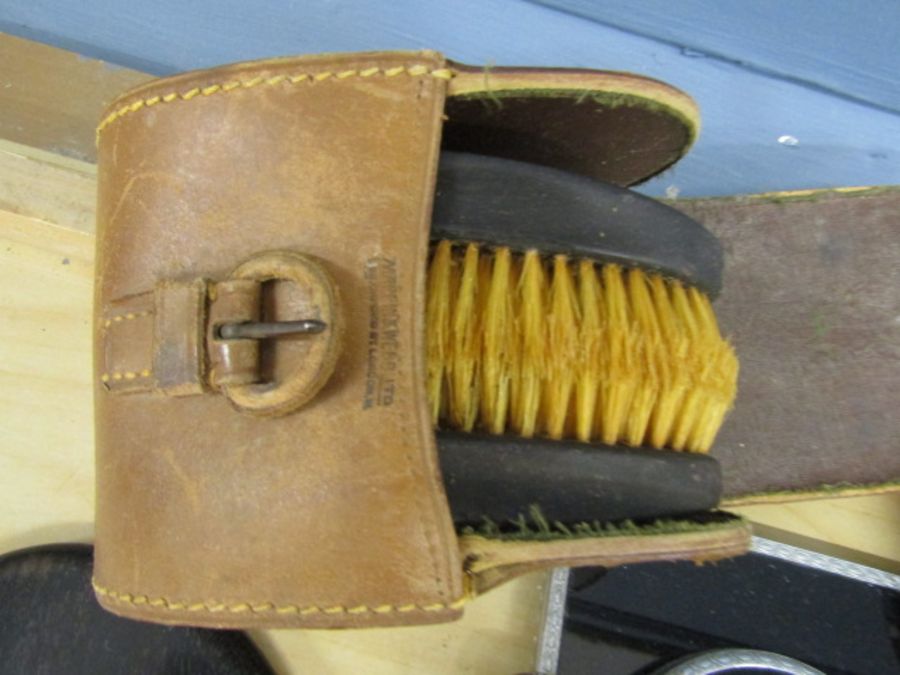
(825, 563)
(551, 635)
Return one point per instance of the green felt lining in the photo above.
(536, 527)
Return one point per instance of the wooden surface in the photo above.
(829, 139)
(50, 98)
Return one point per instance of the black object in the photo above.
(502, 476)
(523, 206)
(638, 618)
(50, 623)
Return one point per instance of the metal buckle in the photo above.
(259, 330)
(299, 386)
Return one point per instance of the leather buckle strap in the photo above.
(193, 337)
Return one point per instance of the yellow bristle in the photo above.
(590, 338)
(464, 361)
(498, 336)
(561, 350)
(529, 367)
(531, 346)
(437, 325)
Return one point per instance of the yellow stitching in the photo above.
(125, 375)
(264, 607)
(130, 316)
(414, 71)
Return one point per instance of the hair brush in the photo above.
(571, 347)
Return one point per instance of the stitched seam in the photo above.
(270, 607)
(234, 85)
(126, 375)
(130, 316)
(119, 375)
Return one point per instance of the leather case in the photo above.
(298, 486)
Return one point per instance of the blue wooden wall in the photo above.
(794, 93)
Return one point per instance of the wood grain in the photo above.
(47, 187)
(46, 458)
(863, 529)
(52, 99)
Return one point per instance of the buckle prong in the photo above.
(260, 330)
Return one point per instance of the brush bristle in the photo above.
(571, 349)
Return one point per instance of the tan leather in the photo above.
(333, 515)
(234, 362)
(294, 482)
(492, 562)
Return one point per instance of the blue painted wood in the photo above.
(835, 142)
(844, 48)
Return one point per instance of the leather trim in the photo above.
(491, 562)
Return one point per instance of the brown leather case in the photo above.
(296, 484)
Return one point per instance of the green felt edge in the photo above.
(606, 99)
(821, 491)
(538, 528)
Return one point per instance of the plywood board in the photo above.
(52, 99)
